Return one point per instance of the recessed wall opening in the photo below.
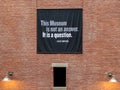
(59, 76)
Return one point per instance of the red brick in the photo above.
(87, 71)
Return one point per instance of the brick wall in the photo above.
(87, 71)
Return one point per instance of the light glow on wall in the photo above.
(11, 85)
(104, 86)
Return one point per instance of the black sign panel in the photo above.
(59, 30)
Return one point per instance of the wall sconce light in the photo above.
(112, 77)
(7, 77)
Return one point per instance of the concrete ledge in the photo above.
(59, 64)
(59, 88)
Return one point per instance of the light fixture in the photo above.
(7, 77)
(112, 77)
